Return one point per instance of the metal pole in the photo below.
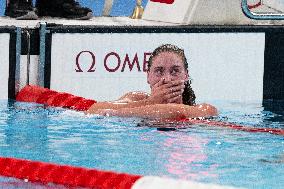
(18, 58)
(28, 56)
(41, 66)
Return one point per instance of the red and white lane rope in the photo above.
(70, 176)
(35, 171)
(235, 126)
(53, 98)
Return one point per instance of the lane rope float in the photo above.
(36, 171)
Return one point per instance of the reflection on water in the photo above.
(180, 155)
(185, 161)
(25, 131)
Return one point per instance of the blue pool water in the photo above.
(200, 153)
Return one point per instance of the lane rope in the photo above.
(36, 171)
(31, 93)
(235, 126)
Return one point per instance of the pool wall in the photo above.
(273, 80)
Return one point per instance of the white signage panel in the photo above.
(104, 66)
(4, 64)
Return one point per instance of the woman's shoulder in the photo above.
(133, 96)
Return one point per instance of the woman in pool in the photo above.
(171, 94)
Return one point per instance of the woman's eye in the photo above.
(159, 72)
(175, 71)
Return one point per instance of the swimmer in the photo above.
(171, 94)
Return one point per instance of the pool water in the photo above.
(200, 153)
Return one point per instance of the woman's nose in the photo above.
(167, 77)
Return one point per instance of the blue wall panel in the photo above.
(2, 7)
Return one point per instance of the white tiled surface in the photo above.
(126, 21)
(98, 21)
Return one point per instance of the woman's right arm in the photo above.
(162, 111)
(117, 105)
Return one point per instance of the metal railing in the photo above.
(260, 16)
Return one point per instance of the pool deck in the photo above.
(98, 21)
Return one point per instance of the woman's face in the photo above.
(168, 66)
